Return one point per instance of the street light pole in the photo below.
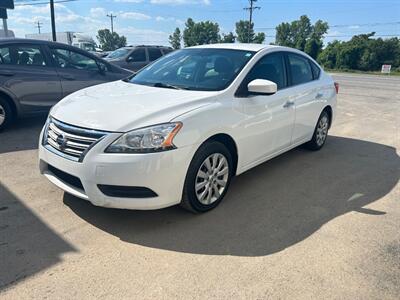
(5, 27)
(53, 21)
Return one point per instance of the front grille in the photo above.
(69, 141)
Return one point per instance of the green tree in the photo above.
(110, 41)
(301, 34)
(175, 39)
(228, 38)
(245, 33)
(200, 33)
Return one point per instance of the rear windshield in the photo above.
(119, 53)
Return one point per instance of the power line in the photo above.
(112, 17)
(251, 9)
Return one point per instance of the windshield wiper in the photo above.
(166, 85)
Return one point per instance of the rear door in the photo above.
(28, 74)
(76, 69)
(308, 96)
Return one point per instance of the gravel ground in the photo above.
(304, 225)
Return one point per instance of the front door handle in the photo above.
(288, 104)
(67, 77)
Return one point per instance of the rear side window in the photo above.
(300, 69)
(167, 50)
(138, 55)
(22, 55)
(315, 69)
(154, 53)
(270, 67)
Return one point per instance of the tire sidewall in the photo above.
(201, 154)
(8, 113)
(314, 145)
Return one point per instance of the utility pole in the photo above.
(112, 17)
(251, 9)
(38, 25)
(53, 21)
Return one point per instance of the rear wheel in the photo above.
(208, 177)
(320, 133)
(6, 114)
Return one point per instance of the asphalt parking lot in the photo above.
(304, 225)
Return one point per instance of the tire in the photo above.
(205, 175)
(6, 114)
(320, 132)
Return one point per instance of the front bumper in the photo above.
(163, 172)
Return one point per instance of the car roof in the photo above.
(29, 41)
(238, 46)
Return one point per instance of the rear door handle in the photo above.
(7, 73)
(319, 96)
(288, 104)
(67, 77)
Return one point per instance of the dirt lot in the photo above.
(304, 225)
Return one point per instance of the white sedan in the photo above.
(178, 130)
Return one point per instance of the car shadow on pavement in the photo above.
(22, 135)
(267, 209)
(27, 244)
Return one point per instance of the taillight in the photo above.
(337, 87)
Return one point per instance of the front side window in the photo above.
(195, 69)
(154, 53)
(139, 55)
(118, 53)
(300, 69)
(68, 59)
(270, 67)
(22, 55)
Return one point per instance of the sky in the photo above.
(151, 21)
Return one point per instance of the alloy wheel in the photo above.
(212, 178)
(322, 130)
(2, 115)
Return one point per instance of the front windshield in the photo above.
(195, 69)
(122, 52)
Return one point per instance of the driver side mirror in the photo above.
(262, 87)
(102, 68)
(130, 59)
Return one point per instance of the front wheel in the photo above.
(320, 133)
(6, 114)
(208, 177)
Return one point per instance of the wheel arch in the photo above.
(230, 143)
(10, 100)
(329, 111)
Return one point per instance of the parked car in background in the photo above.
(35, 75)
(136, 57)
(179, 129)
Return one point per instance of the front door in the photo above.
(76, 70)
(269, 120)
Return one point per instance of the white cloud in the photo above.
(134, 16)
(136, 36)
(128, 1)
(97, 12)
(169, 19)
(180, 2)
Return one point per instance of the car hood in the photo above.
(121, 106)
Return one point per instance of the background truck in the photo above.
(79, 40)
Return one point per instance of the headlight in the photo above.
(149, 139)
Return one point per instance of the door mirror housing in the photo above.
(130, 59)
(102, 68)
(262, 87)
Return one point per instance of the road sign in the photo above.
(3, 13)
(386, 69)
(7, 4)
